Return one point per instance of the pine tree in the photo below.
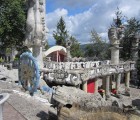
(129, 36)
(61, 34)
(75, 48)
(98, 48)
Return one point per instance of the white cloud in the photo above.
(99, 16)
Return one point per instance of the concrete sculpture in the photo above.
(36, 28)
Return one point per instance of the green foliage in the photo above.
(8, 51)
(89, 52)
(47, 47)
(61, 34)
(98, 48)
(95, 37)
(75, 48)
(129, 36)
(1, 60)
(12, 22)
(117, 22)
(16, 59)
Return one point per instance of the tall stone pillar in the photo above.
(115, 42)
(135, 45)
(36, 28)
(115, 35)
(107, 88)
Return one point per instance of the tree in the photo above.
(89, 50)
(75, 48)
(133, 25)
(98, 48)
(95, 37)
(117, 22)
(129, 36)
(12, 22)
(61, 34)
(47, 46)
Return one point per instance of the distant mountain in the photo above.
(83, 46)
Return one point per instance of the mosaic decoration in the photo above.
(29, 75)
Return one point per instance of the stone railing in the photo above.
(76, 73)
(75, 65)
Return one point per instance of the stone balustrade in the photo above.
(75, 73)
(75, 65)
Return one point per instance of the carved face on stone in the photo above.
(112, 34)
(115, 34)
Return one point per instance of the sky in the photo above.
(82, 16)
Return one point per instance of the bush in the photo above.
(1, 60)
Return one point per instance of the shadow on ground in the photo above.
(45, 116)
(136, 102)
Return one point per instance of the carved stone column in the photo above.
(118, 80)
(127, 79)
(84, 86)
(107, 88)
(111, 79)
(104, 82)
(96, 85)
(134, 55)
